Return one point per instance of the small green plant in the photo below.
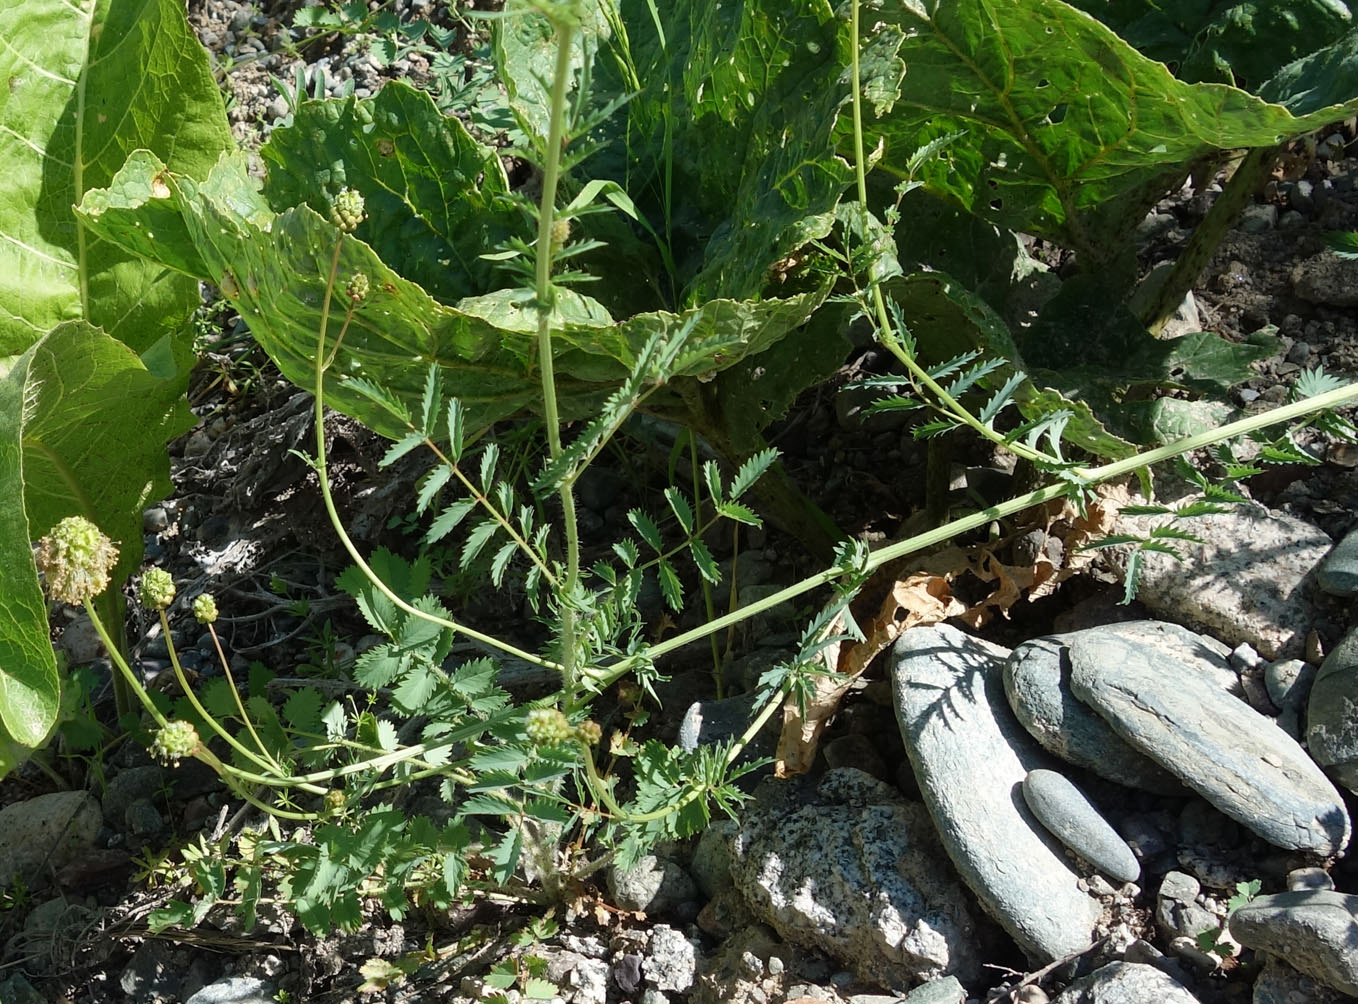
(1216, 942)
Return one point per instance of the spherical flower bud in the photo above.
(157, 589)
(205, 608)
(174, 741)
(561, 232)
(346, 212)
(335, 801)
(547, 726)
(75, 560)
(589, 732)
(357, 287)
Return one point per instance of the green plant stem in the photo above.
(551, 173)
(319, 465)
(1207, 235)
(1108, 472)
(262, 760)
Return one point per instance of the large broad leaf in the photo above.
(89, 81)
(275, 270)
(83, 428)
(728, 140)
(1070, 133)
(1320, 80)
(435, 197)
(1237, 41)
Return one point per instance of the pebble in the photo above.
(1258, 218)
(945, 991)
(1338, 573)
(969, 754)
(1037, 684)
(235, 990)
(1070, 817)
(1289, 682)
(654, 885)
(80, 641)
(1316, 932)
(671, 960)
(1216, 744)
(1177, 912)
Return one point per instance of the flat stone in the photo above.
(1234, 757)
(1338, 573)
(970, 755)
(1289, 682)
(46, 832)
(945, 991)
(1037, 682)
(1279, 983)
(1332, 713)
(1126, 983)
(1251, 581)
(1316, 932)
(1070, 817)
(235, 990)
(851, 869)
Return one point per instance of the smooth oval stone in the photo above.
(1037, 683)
(1315, 931)
(1338, 573)
(969, 755)
(1126, 983)
(1072, 819)
(1234, 757)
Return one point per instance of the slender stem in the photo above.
(551, 174)
(1108, 472)
(338, 524)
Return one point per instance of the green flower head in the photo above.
(75, 560)
(205, 608)
(346, 212)
(547, 726)
(157, 589)
(174, 741)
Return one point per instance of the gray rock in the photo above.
(235, 990)
(1037, 683)
(1221, 748)
(142, 819)
(944, 991)
(44, 833)
(1332, 713)
(852, 870)
(1309, 879)
(711, 864)
(1338, 573)
(1327, 279)
(1258, 218)
(1249, 581)
(653, 886)
(1316, 932)
(708, 722)
(1279, 983)
(1289, 682)
(1125, 983)
(80, 641)
(130, 785)
(1070, 817)
(970, 754)
(671, 960)
(1177, 912)
(150, 974)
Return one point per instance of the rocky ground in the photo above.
(1066, 807)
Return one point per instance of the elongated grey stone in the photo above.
(1338, 573)
(1037, 683)
(970, 756)
(1234, 757)
(1070, 817)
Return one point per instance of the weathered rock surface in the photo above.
(1249, 582)
(46, 832)
(653, 885)
(853, 870)
(1279, 983)
(1327, 279)
(1125, 983)
(1237, 759)
(1315, 931)
(1332, 713)
(970, 756)
(1070, 817)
